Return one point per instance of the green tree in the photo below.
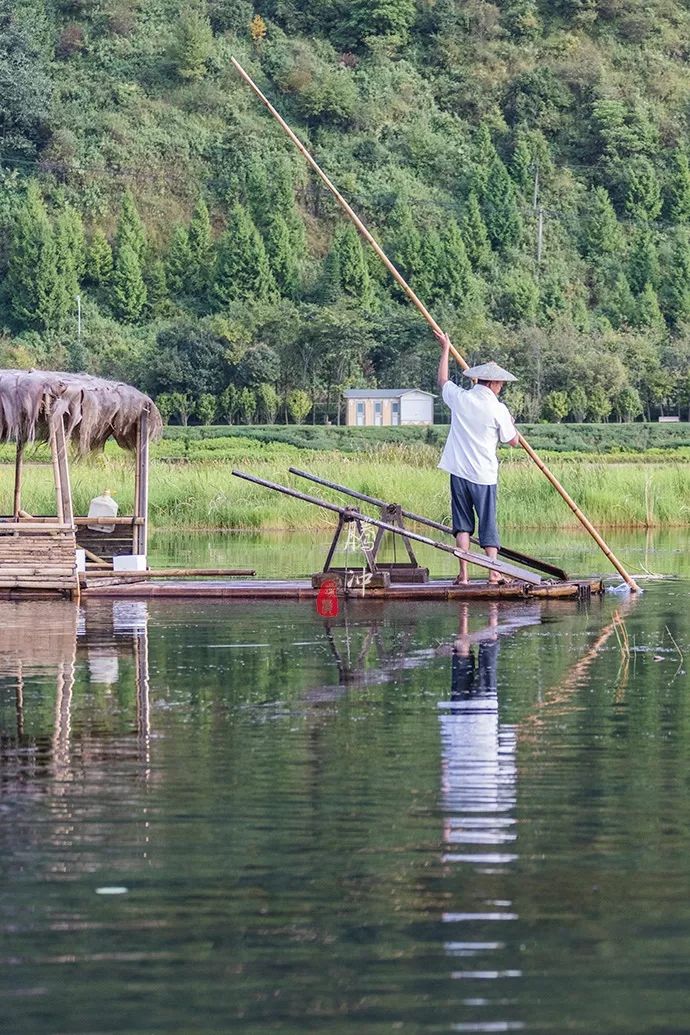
(515, 398)
(228, 404)
(518, 298)
(643, 263)
(678, 189)
(99, 259)
(246, 405)
(643, 193)
(69, 252)
(282, 255)
(128, 292)
(556, 406)
(242, 269)
(431, 261)
(51, 296)
(156, 286)
(130, 229)
(329, 288)
(354, 272)
(577, 403)
(178, 263)
(192, 46)
(26, 84)
(191, 356)
(599, 405)
(181, 407)
(33, 285)
(206, 407)
(483, 157)
(201, 253)
(407, 242)
(166, 406)
(627, 404)
(677, 280)
(474, 234)
(647, 311)
(602, 232)
(298, 404)
(71, 229)
(268, 401)
(454, 281)
(499, 207)
(380, 18)
(616, 298)
(257, 191)
(521, 19)
(522, 163)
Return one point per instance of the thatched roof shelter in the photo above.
(92, 408)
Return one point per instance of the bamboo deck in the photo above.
(301, 589)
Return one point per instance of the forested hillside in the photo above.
(525, 165)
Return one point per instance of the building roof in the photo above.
(93, 409)
(382, 393)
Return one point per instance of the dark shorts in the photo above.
(468, 499)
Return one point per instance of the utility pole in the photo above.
(538, 209)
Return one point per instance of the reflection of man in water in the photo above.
(472, 675)
(478, 751)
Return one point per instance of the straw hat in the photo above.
(489, 372)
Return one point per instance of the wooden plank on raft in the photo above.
(172, 573)
(10, 527)
(82, 519)
(121, 520)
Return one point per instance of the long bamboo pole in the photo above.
(397, 276)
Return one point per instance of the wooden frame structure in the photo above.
(38, 554)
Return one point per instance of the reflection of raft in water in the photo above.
(376, 579)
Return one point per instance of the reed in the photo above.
(203, 494)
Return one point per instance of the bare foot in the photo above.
(459, 581)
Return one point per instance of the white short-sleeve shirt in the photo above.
(478, 423)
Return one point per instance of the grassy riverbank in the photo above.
(644, 491)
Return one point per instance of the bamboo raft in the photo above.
(39, 554)
(303, 589)
(371, 578)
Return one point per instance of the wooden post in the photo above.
(141, 487)
(18, 469)
(63, 468)
(56, 474)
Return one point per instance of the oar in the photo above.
(397, 276)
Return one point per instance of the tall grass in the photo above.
(204, 494)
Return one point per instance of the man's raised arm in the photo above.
(442, 375)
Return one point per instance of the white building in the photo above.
(371, 407)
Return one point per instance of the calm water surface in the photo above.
(423, 818)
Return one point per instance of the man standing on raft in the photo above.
(478, 423)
